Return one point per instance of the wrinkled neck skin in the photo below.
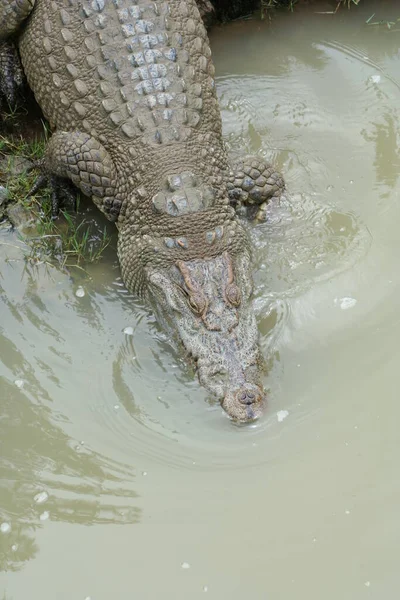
(208, 304)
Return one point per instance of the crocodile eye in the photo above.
(197, 304)
(232, 294)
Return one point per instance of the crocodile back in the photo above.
(131, 73)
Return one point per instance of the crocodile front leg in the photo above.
(252, 183)
(12, 15)
(80, 158)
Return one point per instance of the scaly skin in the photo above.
(128, 88)
(11, 74)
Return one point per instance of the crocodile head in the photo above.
(208, 303)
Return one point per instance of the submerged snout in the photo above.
(244, 404)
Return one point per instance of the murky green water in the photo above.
(118, 478)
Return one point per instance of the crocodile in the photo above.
(128, 89)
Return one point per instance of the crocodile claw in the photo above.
(62, 192)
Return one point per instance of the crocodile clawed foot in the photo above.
(252, 183)
(11, 73)
(62, 192)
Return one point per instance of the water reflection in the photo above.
(285, 50)
(45, 474)
(125, 357)
(83, 486)
(386, 138)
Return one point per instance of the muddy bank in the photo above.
(225, 10)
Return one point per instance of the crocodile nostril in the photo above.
(246, 397)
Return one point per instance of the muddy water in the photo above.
(119, 478)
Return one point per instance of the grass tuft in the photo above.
(71, 239)
(347, 3)
(384, 23)
(33, 150)
(268, 5)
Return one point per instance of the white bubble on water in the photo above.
(185, 565)
(281, 415)
(44, 516)
(346, 302)
(19, 383)
(128, 331)
(14, 547)
(367, 583)
(5, 527)
(205, 588)
(41, 497)
(80, 292)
